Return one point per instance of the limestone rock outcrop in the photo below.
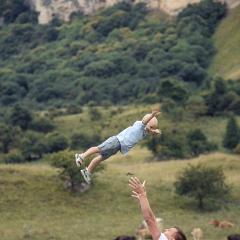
(63, 8)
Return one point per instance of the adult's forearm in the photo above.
(149, 217)
(145, 207)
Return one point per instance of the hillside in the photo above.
(119, 55)
(227, 42)
(63, 9)
(35, 204)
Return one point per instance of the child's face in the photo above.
(152, 124)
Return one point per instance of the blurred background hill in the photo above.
(226, 61)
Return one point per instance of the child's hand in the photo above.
(155, 112)
(157, 131)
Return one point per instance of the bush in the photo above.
(57, 142)
(14, 156)
(82, 141)
(202, 182)
(232, 135)
(73, 109)
(42, 125)
(237, 149)
(198, 143)
(68, 169)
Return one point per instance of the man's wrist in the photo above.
(144, 195)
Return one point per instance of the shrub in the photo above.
(202, 182)
(68, 169)
(14, 156)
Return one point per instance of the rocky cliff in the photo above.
(63, 8)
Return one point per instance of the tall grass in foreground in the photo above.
(34, 204)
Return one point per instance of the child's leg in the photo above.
(93, 164)
(81, 157)
(90, 151)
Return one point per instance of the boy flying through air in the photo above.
(122, 142)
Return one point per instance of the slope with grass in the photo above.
(227, 42)
(34, 204)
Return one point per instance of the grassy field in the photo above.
(227, 39)
(34, 204)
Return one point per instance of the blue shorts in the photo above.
(109, 147)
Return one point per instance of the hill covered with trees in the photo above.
(123, 54)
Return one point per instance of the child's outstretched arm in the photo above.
(155, 112)
(148, 117)
(157, 131)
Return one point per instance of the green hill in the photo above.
(227, 42)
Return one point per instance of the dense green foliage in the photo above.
(116, 55)
(202, 182)
(15, 11)
(232, 135)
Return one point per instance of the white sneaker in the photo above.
(79, 159)
(86, 175)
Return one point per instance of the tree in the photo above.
(94, 114)
(101, 69)
(232, 136)
(170, 144)
(216, 99)
(173, 89)
(83, 141)
(33, 145)
(193, 73)
(69, 170)
(14, 156)
(198, 143)
(57, 142)
(9, 135)
(20, 116)
(196, 106)
(41, 124)
(202, 182)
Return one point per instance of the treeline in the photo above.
(27, 136)
(117, 55)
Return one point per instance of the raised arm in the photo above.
(148, 117)
(139, 191)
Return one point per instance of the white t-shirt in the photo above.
(162, 237)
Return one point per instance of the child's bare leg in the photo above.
(91, 151)
(94, 163)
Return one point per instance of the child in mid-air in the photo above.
(122, 142)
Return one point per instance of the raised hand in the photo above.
(155, 112)
(139, 189)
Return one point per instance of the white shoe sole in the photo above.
(78, 160)
(85, 177)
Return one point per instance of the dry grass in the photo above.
(34, 203)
